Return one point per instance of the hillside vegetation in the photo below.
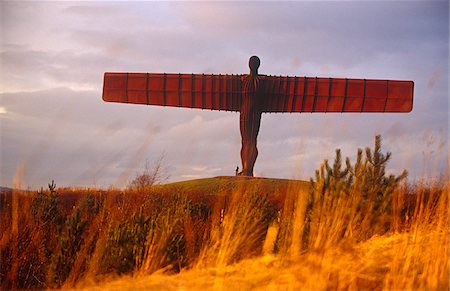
(350, 227)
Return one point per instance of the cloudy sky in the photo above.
(54, 124)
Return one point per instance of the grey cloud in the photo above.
(343, 33)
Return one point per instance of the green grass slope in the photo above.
(275, 189)
(227, 183)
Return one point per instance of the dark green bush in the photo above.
(70, 242)
(125, 247)
(45, 207)
(364, 187)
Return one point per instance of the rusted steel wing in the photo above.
(310, 94)
(282, 94)
(215, 92)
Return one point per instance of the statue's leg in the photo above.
(246, 144)
(253, 150)
(248, 157)
(249, 151)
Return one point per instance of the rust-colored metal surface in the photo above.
(309, 94)
(253, 94)
(281, 94)
(215, 92)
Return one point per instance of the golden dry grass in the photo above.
(415, 258)
(238, 247)
(367, 266)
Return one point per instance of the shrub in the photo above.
(126, 243)
(149, 177)
(343, 201)
(166, 240)
(45, 207)
(46, 212)
(70, 242)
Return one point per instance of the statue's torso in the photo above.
(252, 95)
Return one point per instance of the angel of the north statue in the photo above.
(253, 94)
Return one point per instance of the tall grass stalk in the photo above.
(240, 234)
(421, 254)
(166, 243)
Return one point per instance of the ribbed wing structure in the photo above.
(215, 92)
(282, 94)
(309, 94)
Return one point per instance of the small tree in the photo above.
(377, 188)
(354, 199)
(45, 209)
(149, 177)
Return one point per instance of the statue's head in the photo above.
(254, 63)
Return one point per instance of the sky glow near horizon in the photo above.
(54, 124)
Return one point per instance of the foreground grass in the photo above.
(349, 228)
(413, 255)
(237, 241)
(59, 237)
(366, 266)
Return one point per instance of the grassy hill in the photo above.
(275, 189)
(230, 183)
